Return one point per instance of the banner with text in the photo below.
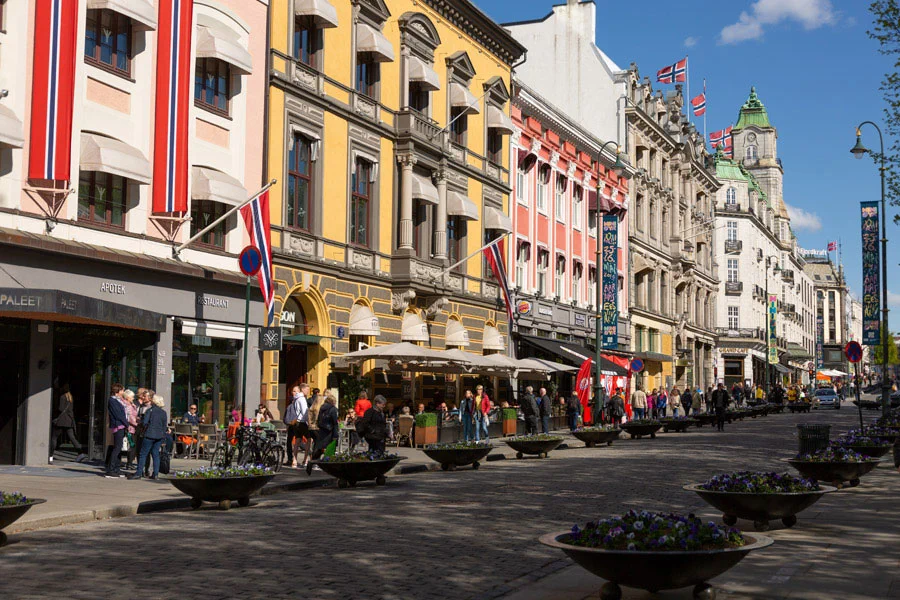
(773, 330)
(610, 282)
(820, 342)
(871, 304)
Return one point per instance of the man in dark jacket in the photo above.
(573, 408)
(720, 402)
(777, 395)
(329, 429)
(545, 411)
(529, 410)
(155, 423)
(118, 424)
(373, 426)
(687, 400)
(615, 407)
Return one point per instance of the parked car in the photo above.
(826, 397)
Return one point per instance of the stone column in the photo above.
(440, 218)
(404, 77)
(406, 202)
(163, 367)
(39, 397)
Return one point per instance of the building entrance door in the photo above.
(12, 396)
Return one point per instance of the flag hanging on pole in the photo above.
(493, 253)
(832, 246)
(256, 218)
(723, 138)
(699, 105)
(674, 73)
(53, 89)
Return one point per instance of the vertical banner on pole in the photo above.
(773, 330)
(871, 300)
(610, 282)
(820, 342)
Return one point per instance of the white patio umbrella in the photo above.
(539, 364)
(400, 352)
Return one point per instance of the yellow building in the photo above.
(388, 134)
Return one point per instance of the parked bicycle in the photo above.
(248, 447)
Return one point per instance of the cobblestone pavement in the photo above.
(470, 534)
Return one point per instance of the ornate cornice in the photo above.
(477, 25)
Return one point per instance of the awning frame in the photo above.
(109, 155)
(460, 205)
(424, 74)
(322, 12)
(373, 41)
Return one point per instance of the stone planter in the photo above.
(350, 473)
(451, 458)
(760, 508)
(835, 473)
(654, 571)
(220, 489)
(541, 448)
(871, 451)
(12, 513)
(705, 419)
(802, 407)
(639, 431)
(677, 425)
(594, 437)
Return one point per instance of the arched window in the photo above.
(731, 196)
(751, 152)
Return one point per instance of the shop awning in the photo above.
(414, 329)
(99, 153)
(363, 321)
(11, 130)
(422, 73)
(461, 97)
(495, 219)
(497, 119)
(141, 11)
(324, 15)
(527, 159)
(213, 330)
(423, 189)
(573, 354)
(457, 335)
(459, 205)
(492, 339)
(209, 184)
(797, 352)
(57, 305)
(217, 42)
(653, 356)
(781, 369)
(302, 338)
(369, 39)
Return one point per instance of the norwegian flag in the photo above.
(173, 106)
(698, 103)
(494, 256)
(53, 93)
(832, 246)
(256, 218)
(723, 138)
(675, 73)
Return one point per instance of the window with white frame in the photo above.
(560, 275)
(561, 184)
(731, 196)
(751, 152)
(543, 264)
(732, 270)
(732, 231)
(521, 186)
(592, 285)
(593, 217)
(577, 206)
(543, 183)
(577, 270)
(733, 317)
(523, 255)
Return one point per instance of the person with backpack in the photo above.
(687, 400)
(616, 407)
(155, 424)
(327, 429)
(573, 409)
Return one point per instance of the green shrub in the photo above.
(509, 414)
(427, 420)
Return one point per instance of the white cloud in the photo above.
(690, 41)
(811, 14)
(802, 219)
(893, 298)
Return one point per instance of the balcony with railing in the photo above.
(733, 246)
(787, 275)
(785, 308)
(734, 287)
(413, 124)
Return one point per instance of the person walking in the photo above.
(720, 402)
(687, 401)
(373, 426)
(737, 393)
(530, 411)
(467, 415)
(616, 407)
(145, 397)
(64, 423)
(639, 403)
(154, 424)
(662, 403)
(327, 427)
(312, 419)
(482, 413)
(573, 409)
(131, 413)
(675, 401)
(545, 409)
(295, 416)
(118, 422)
(651, 404)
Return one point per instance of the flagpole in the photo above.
(706, 101)
(177, 250)
(469, 257)
(687, 80)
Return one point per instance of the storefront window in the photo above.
(206, 374)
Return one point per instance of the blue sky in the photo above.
(814, 68)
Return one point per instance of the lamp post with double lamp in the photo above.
(618, 167)
(776, 271)
(859, 150)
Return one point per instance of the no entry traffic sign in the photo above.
(250, 261)
(853, 351)
(637, 365)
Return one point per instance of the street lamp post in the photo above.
(766, 325)
(618, 167)
(859, 150)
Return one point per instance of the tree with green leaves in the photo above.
(893, 353)
(886, 31)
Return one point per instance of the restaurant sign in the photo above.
(610, 256)
(820, 341)
(871, 305)
(773, 330)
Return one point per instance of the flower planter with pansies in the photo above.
(351, 468)
(759, 497)
(598, 435)
(835, 465)
(655, 551)
(677, 424)
(222, 484)
(538, 444)
(705, 419)
(638, 428)
(459, 454)
(865, 445)
(12, 506)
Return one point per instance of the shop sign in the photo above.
(773, 330)
(270, 339)
(523, 307)
(201, 340)
(212, 301)
(547, 311)
(111, 287)
(580, 320)
(288, 319)
(610, 282)
(741, 351)
(871, 304)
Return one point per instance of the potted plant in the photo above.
(458, 454)
(834, 464)
(540, 444)
(510, 417)
(222, 484)
(349, 468)
(426, 428)
(865, 445)
(655, 551)
(12, 506)
(759, 496)
(705, 419)
(638, 428)
(597, 434)
(677, 424)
